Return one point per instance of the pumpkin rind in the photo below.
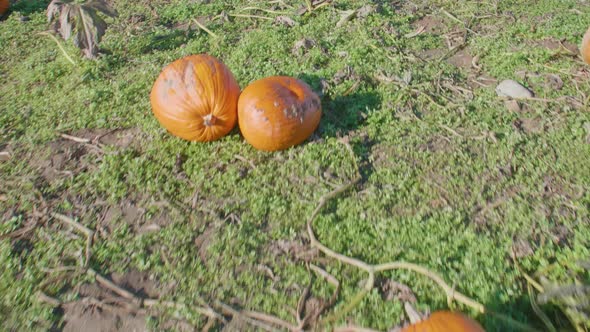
(195, 98)
(4, 5)
(445, 321)
(277, 112)
(585, 48)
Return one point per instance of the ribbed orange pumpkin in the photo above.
(585, 48)
(4, 5)
(278, 112)
(195, 98)
(445, 321)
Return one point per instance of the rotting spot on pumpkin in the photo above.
(276, 103)
(286, 112)
(294, 110)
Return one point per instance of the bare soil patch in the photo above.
(462, 59)
(79, 151)
(431, 24)
(97, 311)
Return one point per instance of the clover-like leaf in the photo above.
(81, 22)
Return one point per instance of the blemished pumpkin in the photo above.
(195, 98)
(4, 5)
(585, 48)
(445, 321)
(278, 112)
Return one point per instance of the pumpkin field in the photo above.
(294, 165)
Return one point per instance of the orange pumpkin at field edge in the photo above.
(277, 112)
(195, 98)
(585, 48)
(4, 5)
(445, 321)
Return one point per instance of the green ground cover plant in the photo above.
(490, 194)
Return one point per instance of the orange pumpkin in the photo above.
(195, 98)
(4, 4)
(585, 48)
(278, 112)
(445, 321)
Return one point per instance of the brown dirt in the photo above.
(138, 282)
(203, 240)
(122, 138)
(295, 249)
(177, 325)
(65, 157)
(99, 309)
(521, 248)
(554, 45)
(540, 82)
(437, 144)
(126, 211)
(530, 125)
(482, 80)
(313, 308)
(554, 185)
(96, 311)
(462, 59)
(133, 212)
(432, 54)
(431, 24)
(382, 156)
(561, 235)
(554, 82)
(61, 159)
(393, 290)
(303, 45)
(86, 316)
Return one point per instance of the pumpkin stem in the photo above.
(209, 120)
(413, 315)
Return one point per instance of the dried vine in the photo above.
(451, 293)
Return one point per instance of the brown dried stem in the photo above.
(66, 55)
(329, 278)
(81, 228)
(204, 28)
(370, 268)
(42, 297)
(116, 289)
(270, 319)
(227, 310)
(75, 138)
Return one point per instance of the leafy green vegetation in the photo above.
(453, 178)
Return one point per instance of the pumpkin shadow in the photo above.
(571, 296)
(341, 113)
(507, 316)
(344, 115)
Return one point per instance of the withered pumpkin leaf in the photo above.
(101, 6)
(81, 22)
